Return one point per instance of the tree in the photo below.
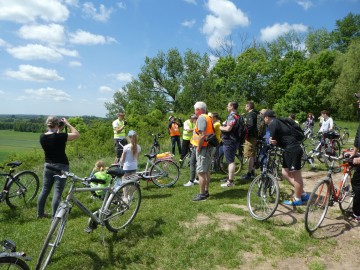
(319, 40)
(347, 29)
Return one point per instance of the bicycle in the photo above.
(264, 192)
(309, 132)
(19, 189)
(186, 160)
(240, 161)
(119, 208)
(119, 149)
(10, 258)
(344, 137)
(160, 169)
(155, 147)
(325, 194)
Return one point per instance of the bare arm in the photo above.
(73, 134)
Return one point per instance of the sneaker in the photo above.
(246, 176)
(292, 202)
(200, 197)
(188, 184)
(196, 181)
(228, 184)
(224, 180)
(207, 194)
(305, 197)
(355, 218)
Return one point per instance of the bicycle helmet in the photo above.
(131, 133)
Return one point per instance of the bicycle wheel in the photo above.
(336, 147)
(22, 189)
(317, 206)
(13, 263)
(346, 195)
(186, 160)
(51, 242)
(263, 196)
(321, 156)
(164, 173)
(345, 137)
(222, 164)
(122, 207)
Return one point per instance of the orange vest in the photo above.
(209, 130)
(174, 130)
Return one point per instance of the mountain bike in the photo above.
(119, 207)
(264, 192)
(12, 259)
(240, 161)
(19, 189)
(155, 147)
(309, 132)
(344, 134)
(160, 169)
(325, 194)
(119, 149)
(328, 144)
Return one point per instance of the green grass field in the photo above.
(17, 142)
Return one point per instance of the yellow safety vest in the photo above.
(188, 134)
(122, 133)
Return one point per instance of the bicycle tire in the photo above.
(263, 196)
(346, 196)
(13, 263)
(185, 160)
(223, 166)
(22, 189)
(317, 206)
(165, 173)
(321, 156)
(51, 242)
(122, 207)
(345, 137)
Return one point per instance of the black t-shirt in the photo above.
(282, 134)
(54, 147)
(251, 123)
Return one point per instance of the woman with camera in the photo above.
(53, 143)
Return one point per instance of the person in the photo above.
(204, 152)
(293, 117)
(174, 131)
(250, 139)
(53, 142)
(281, 135)
(119, 135)
(261, 127)
(99, 172)
(230, 143)
(327, 123)
(310, 121)
(216, 123)
(193, 178)
(188, 129)
(130, 156)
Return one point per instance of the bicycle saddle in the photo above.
(115, 171)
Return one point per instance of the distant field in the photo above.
(15, 142)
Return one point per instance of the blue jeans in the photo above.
(175, 140)
(48, 182)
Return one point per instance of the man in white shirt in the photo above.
(328, 123)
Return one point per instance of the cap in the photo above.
(131, 133)
(269, 113)
(263, 111)
(171, 116)
(357, 95)
(210, 114)
(193, 116)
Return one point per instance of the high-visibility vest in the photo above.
(209, 130)
(122, 133)
(174, 129)
(188, 134)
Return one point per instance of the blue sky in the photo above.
(68, 57)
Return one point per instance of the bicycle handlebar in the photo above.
(9, 245)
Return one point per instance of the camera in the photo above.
(61, 124)
(125, 122)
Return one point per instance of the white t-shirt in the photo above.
(130, 163)
(326, 125)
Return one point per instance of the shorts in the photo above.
(230, 151)
(292, 158)
(204, 158)
(250, 147)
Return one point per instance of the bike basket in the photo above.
(331, 135)
(166, 155)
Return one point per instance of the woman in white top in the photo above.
(130, 155)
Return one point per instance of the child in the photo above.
(99, 172)
(130, 155)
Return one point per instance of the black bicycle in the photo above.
(19, 189)
(12, 259)
(344, 134)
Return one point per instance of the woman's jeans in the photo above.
(48, 182)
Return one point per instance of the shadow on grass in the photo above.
(156, 196)
(229, 193)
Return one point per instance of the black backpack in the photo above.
(239, 131)
(295, 128)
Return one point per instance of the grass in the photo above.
(170, 232)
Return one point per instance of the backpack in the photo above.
(239, 130)
(295, 128)
(261, 126)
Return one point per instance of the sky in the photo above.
(69, 57)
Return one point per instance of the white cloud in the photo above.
(102, 15)
(52, 33)
(32, 73)
(35, 51)
(86, 38)
(105, 89)
(191, 1)
(224, 17)
(124, 77)
(188, 23)
(272, 32)
(121, 5)
(306, 4)
(75, 64)
(46, 94)
(2, 43)
(28, 11)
